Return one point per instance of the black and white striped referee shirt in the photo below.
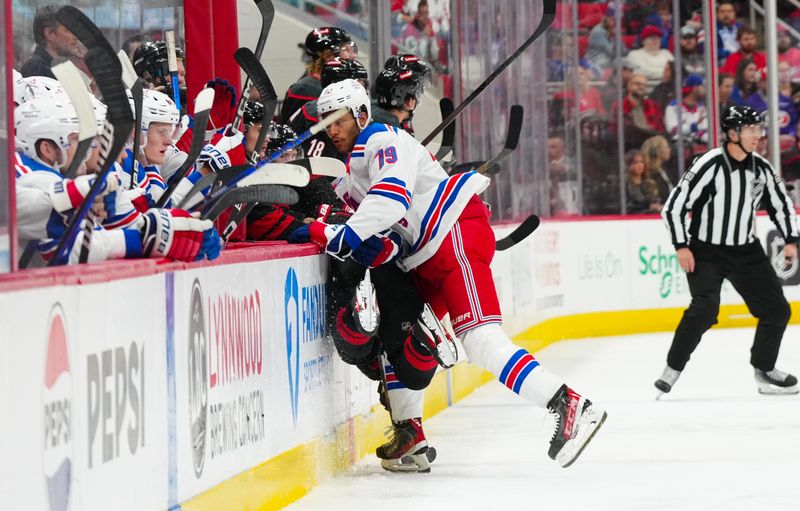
(722, 196)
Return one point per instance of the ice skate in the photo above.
(435, 338)
(667, 380)
(776, 382)
(577, 421)
(365, 308)
(407, 450)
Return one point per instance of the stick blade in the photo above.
(279, 174)
(204, 101)
(515, 119)
(70, 79)
(446, 108)
(322, 166)
(524, 230)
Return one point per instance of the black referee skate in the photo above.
(577, 421)
(775, 382)
(407, 450)
(667, 380)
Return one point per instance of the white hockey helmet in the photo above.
(20, 89)
(158, 107)
(100, 110)
(45, 118)
(347, 93)
(41, 86)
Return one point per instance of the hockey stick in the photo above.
(256, 73)
(474, 165)
(323, 166)
(512, 139)
(548, 14)
(107, 73)
(270, 174)
(202, 110)
(267, 14)
(206, 181)
(135, 85)
(520, 233)
(67, 74)
(446, 107)
(302, 137)
(253, 194)
(172, 65)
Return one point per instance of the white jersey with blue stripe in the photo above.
(394, 182)
(37, 219)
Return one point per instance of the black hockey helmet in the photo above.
(151, 61)
(734, 117)
(148, 59)
(325, 38)
(253, 113)
(279, 136)
(397, 81)
(407, 60)
(336, 69)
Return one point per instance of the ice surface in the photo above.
(713, 443)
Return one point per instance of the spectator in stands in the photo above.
(558, 64)
(601, 50)
(562, 180)
(725, 90)
(662, 19)
(419, 38)
(650, 59)
(609, 92)
(590, 100)
(640, 190)
(788, 53)
(664, 92)
(727, 30)
(642, 117)
(747, 50)
(130, 44)
(694, 123)
(692, 58)
(787, 111)
(746, 82)
(52, 40)
(634, 15)
(790, 160)
(656, 153)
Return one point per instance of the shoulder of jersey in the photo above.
(307, 85)
(25, 165)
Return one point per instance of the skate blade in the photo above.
(659, 395)
(766, 389)
(575, 447)
(409, 463)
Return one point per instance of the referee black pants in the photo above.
(749, 270)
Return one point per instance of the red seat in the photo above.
(589, 15)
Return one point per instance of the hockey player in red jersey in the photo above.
(322, 43)
(448, 244)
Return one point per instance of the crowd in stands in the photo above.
(644, 78)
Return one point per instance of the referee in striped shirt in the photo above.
(710, 216)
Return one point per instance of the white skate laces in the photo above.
(775, 382)
(577, 421)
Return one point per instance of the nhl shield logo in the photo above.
(198, 376)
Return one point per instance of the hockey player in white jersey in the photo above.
(46, 137)
(395, 183)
